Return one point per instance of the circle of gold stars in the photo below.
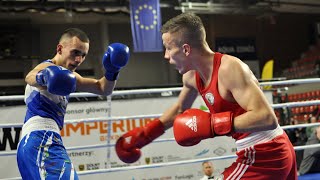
(139, 23)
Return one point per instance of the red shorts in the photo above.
(264, 156)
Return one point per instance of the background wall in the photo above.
(282, 37)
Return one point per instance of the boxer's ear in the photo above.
(59, 49)
(186, 49)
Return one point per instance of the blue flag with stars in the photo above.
(145, 25)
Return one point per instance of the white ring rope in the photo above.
(11, 153)
(296, 104)
(119, 118)
(300, 125)
(127, 168)
(159, 90)
(291, 81)
(117, 169)
(96, 119)
(114, 93)
(176, 162)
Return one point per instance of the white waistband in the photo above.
(37, 123)
(258, 138)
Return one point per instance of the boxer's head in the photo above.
(184, 38)
(72, 48)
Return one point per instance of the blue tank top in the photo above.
(44, 104)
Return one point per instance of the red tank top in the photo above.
(212, 98)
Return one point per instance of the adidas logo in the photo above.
(192, 124)
(128, 139)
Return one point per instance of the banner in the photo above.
(97, 139)
(242, 48)
(145, 25)
(102, 133)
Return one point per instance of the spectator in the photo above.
(311, 130)
(207, 169)
(297, 136)
(311, 157)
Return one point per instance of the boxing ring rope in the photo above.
(172, 139)
(290, 82)
(162, 90)
(115, 93)
(158, 165)
(115, 118)
(176, 162)
(120, 118)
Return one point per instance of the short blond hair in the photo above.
(188, 27)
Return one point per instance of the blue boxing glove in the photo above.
(57, 79)
(116, 56)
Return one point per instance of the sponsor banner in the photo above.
(12, 114)
(158, 152)
(144, 106)
(189, 171)
(161, 153)
(81, 110)
(86, 134)
(97, 132)
(105, 133)
(8, 167)
(75, 110)
(9, 138)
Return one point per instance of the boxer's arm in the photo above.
(114, 59)
(186, 98)
(243, 86)
(128, 145)
(97, 86)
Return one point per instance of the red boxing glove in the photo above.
(128, 145)
(194, 125)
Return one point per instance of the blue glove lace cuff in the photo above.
(39, 79)
(111, 76)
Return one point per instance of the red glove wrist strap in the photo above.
(154, 129)
(222, 123)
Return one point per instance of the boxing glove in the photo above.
(194, 125)
(128, 145)
(57, 79)
(116, 56)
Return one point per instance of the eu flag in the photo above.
(145, 25)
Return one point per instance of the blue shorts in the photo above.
(41, 155)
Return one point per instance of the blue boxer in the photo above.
(41, 153)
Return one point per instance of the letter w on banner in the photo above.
(145, 25)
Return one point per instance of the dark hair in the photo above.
(188, 27)
(75, 32)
